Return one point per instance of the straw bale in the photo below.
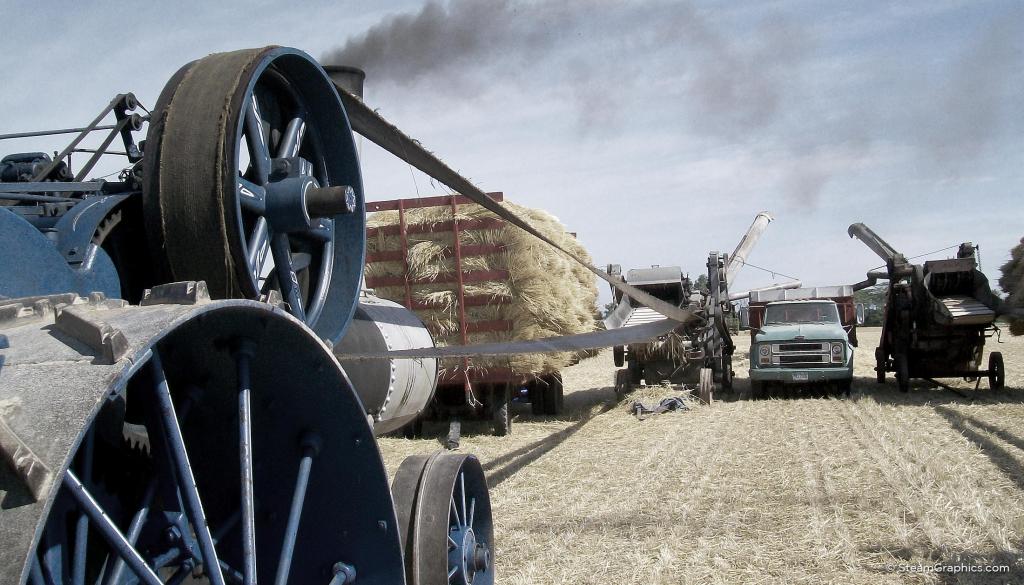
(546, 295)
(1012, 283)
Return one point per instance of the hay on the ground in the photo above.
(546, 295)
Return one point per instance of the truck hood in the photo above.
(809, 332)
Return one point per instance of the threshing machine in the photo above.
(170, 405)
(937, 316)
(703, 346)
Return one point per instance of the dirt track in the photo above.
(803, 490)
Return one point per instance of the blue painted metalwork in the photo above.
(76, 228)
(31, 264)
(311, 444)
(109, 530)
(183, 469)
(243, 354)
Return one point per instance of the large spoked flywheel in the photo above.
(253, 185)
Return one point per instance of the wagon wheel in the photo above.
(195, 467)
(444, 518)
(554, 394)
(996, 372)
(707, 385)
(501, 409)
(536, 395)
(252, 184)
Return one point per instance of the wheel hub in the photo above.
(468, 555)
(286, 209)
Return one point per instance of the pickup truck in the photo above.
(802, 343)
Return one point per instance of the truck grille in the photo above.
(788, 347)
(812, 354)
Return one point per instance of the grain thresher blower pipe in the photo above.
(873, 277)
(375, 128)
(739, 255)
(894, 261)
(782, 286)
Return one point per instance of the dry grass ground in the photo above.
(801, 490)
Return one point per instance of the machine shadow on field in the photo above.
(974, 429)
(501, 468)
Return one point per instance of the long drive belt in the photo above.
(375, 128)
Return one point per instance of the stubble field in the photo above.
(875, 488)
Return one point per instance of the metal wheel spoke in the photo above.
(134, 530)
(256, 138)
(243, 357)
(310, 449)
(289, 282)
(322, 230)
(452, 545)
(259, 246)
(82, 526)
(109, 530)
(462, 489)
(319, 299)
(183, 472)
(251, 197)
(472, 512)
(455, 511)
(452, 571)
(291, 141)
(301, 261)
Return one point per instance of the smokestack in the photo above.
(348, 78)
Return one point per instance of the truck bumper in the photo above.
(790, 376)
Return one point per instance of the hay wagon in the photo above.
(467, 292)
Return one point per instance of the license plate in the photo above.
(799, 376)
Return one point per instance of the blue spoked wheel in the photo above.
(252, 183)
(444, 514)
(236, 451)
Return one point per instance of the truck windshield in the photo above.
(801, 313)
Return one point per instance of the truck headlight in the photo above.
(837, 352)
(764, 356)
(764, 350)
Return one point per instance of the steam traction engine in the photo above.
(170, 406)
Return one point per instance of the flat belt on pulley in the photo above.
(578, 342)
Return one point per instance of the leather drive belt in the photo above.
(578, 342)
(376, 129)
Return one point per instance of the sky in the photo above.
(655, 130)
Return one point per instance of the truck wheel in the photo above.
(845, 386)
(902, 373)
(501, 399)
(996, 373)
(619, 355)
(553, 395)
(756, 390)
(707, 385)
